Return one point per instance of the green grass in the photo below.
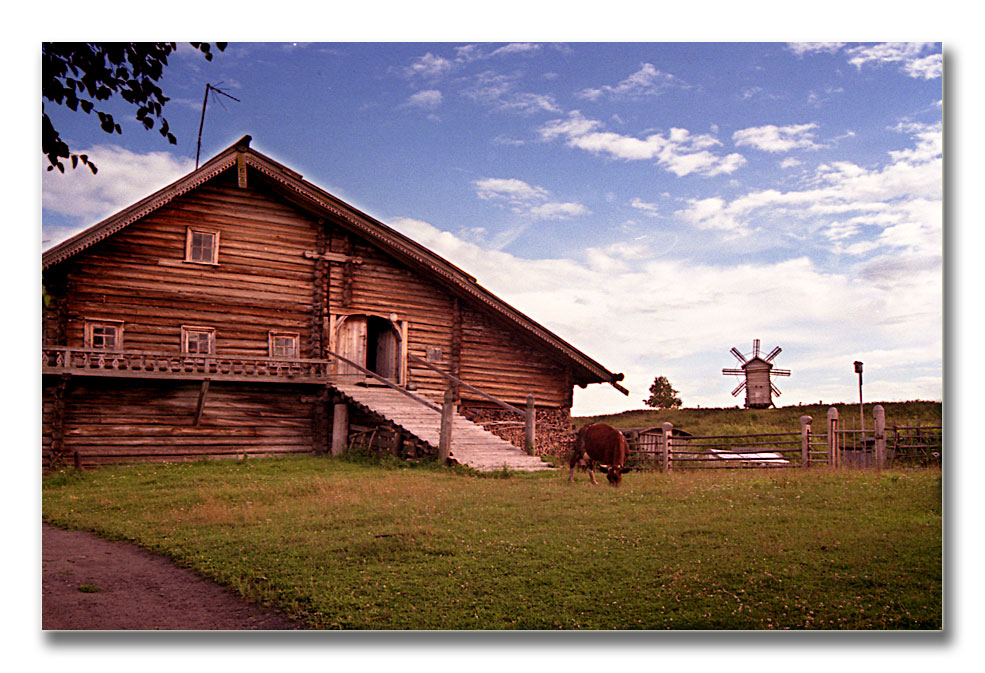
(735, 420)
(359, 546)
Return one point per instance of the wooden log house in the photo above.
(244, 311)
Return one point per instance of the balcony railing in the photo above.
(155, 365)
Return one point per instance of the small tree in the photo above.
(662, 395)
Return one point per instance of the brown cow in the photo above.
(602, 444)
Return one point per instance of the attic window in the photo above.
(202, 246)
(197, 340)
(284, 345)
(104, 334)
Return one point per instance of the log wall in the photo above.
(495, 360)
(127, 421)
(263, 281)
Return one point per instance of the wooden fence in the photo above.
(666, 448)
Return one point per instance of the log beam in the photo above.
(203, 391)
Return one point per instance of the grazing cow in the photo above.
(602, 444)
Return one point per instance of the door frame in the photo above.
(400, 328)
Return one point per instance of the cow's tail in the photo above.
(577, 449)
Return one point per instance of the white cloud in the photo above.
(510, 189)
(557, 211)
(516, 48)
(895, 206)
(507, 140)
(772, 138)
(678, 152)
(525, 199)
(429, 66)
(647, 81)
(712, 213)
(500, 92)
(123, 178)
(929, 67)
(906, 53)
(801, 48)
(651, 209)
(428, 99)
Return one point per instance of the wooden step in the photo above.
(471, 444)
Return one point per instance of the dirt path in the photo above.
(93, 584)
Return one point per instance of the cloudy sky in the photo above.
(655, 204)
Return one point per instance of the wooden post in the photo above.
(530, 426)
(668, 442)
(879, 414)
(340, 428)
(805, 441)
(447, 417)
(833, 437)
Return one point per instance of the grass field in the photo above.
(354, 545)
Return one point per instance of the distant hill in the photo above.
(737, 420)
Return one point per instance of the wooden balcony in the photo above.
(181, 366)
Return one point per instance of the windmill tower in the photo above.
(757, 371)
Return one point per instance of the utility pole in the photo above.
(861, 412)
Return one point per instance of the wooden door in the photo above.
(388, 352)
(350, 341)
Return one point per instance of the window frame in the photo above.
(188, 330)
(189, 237)
(273, 334)
(91, 323)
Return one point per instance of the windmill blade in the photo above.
(738, 389)
(773, 353)
(776, 391)
(733, 371)
(780, 372)
(738, 356)
(755, 348)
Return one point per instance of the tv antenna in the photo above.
(209, 88)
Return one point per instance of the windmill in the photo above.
(757, 371)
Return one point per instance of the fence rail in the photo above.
(665, 448)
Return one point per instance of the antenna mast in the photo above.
(205, 102)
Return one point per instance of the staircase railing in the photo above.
(529, 416)
(391, 384)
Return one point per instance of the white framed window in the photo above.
(202, 246)
(197, 340)
(284, 345)
(104, 334)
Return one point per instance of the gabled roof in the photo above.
(315, 200)
(759, 360)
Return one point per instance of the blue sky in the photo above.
(654, 204)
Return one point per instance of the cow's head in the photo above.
(614, 474)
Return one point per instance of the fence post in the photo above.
(805, 441)
(879, 414)
(340, 428)
(833, 437)
(529, 426)
(447, 415)
(668, 441)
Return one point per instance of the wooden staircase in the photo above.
(471, 445)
